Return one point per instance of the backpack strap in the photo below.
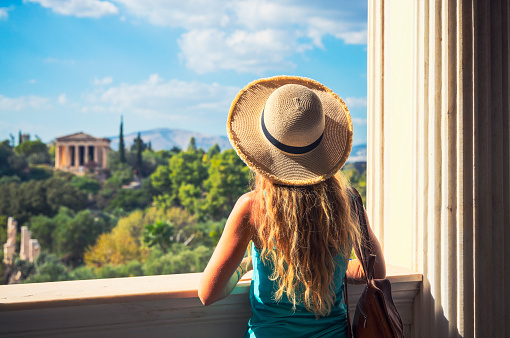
(364, 250)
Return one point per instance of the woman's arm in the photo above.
(220, 276)
(355, 273)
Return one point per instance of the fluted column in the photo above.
(86, 153)
(69, 153)
(57, 155)
(456, 215)
(76, 155)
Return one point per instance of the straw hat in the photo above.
(290, 129)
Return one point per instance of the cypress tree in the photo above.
(20, 138)
(122, 155)
(139, 149)
(192, 147)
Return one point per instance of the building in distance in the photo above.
(78, 151)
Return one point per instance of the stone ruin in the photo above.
(10, 246)
(29, 248)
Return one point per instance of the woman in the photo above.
(295, 134)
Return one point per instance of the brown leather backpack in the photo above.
(376, 314)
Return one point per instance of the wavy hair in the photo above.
(300, 230)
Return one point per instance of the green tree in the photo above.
(31, 147)
(42, 228)
(175, 150)
(356, 174)
(160, 179)
(48, 268)
(5, 153)
(62, 193)
(139, 150)
(130, 269)
(192, 147)
(31, 198)
(10, 162)
(181, 260)
(72, 237)
(129, 200)
(122, 154)
(187, 168)
(213, 151)
(86, 184)
(158, 233)
(228, 180)
(123, 174)
(138, 147)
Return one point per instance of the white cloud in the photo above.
(356, 102)
(9, 104)
(62, 99)
(251, 35)
(189, 14)
(32, 81)
(79, 8)
(4, 13)
(241, 35)
(243, 51)
(104, 81)
(156, 98)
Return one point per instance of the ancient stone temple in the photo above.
(76, 151)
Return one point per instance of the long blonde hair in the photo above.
(300, 230)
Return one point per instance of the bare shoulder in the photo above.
(244, 203)
(240, 217)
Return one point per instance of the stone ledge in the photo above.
(155, 305)
(115, 290)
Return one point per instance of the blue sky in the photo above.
(78, 65)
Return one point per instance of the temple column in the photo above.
(69, 161)
(76, 155)
(438, 184)
(57, 155)
(96, 157)
(86, 154)
(105, 157)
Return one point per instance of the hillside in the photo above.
(164, 138)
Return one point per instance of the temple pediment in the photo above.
(80, 137)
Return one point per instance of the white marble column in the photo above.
(438, 185)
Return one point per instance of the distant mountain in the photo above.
(165, 138)
(358, 153)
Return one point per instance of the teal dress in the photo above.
(272, 319)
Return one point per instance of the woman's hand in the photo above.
(246, 264)
(355, 273)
